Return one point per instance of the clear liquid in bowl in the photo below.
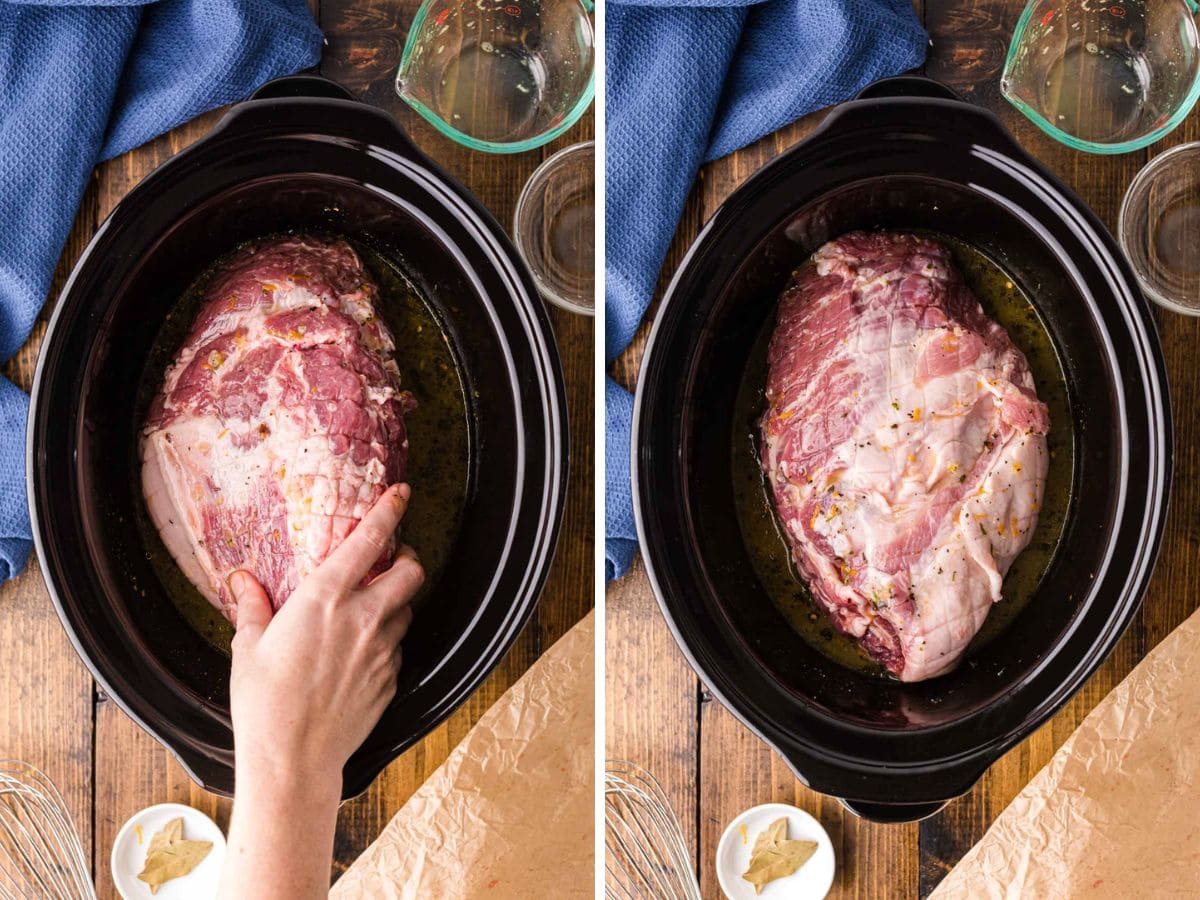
(1098, 92)
(1175, 256)
(1105, 76)
(1160, 228)
(491, 91)
(499, 75)
(554, 228)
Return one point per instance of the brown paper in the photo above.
(511, 813)
(1116, 812)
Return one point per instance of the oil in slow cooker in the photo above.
(1005, 302)
(438, 432)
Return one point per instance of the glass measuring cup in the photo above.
(1105, 76)
(501, 76)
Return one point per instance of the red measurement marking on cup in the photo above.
(514, 11)
(1118, 11)
(441, 17)
(1048, 16)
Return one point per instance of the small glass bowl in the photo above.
(555, 228)
(1159, 229)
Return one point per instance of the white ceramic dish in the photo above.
(129, 855)
(811, 882)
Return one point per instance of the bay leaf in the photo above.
(170, 856)
(770, 836)
(171, 833)
(774, 856)
(173, 861)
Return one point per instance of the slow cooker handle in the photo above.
(372, 124)
(937, 788)
(893, 813)
(907, 86)
(210, 768)
(983, 127)
(301, 86)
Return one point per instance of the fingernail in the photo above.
(237, 583)
(403, 491)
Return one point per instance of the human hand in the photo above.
(310, 682)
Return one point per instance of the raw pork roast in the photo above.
(280, 422)
(905, 447)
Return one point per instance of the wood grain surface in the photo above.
(660, 715)
(51, 713)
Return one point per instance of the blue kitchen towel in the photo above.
(83, 81)
(689, 81)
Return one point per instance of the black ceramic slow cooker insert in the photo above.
(907, 154)
(301, 155)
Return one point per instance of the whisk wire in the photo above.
(667, 831)
(25, 850)
(41, 856)
(651, 831)
(633, 845)
(646, 855)
(31, 841)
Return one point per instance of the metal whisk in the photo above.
(41, 855)
(645, 855)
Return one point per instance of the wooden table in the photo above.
(51, 712)
(660, 715)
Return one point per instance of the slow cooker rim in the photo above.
(545, 390)
(1157, 420)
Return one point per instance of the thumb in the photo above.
(253, 607)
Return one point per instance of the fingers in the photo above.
(384, 693)
(392, 593)
(397, 625)
(397, 586)
(350, 561)
(253, 609)
(385, 670)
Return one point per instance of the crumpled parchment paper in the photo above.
(1116, 812)
(511, 813)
